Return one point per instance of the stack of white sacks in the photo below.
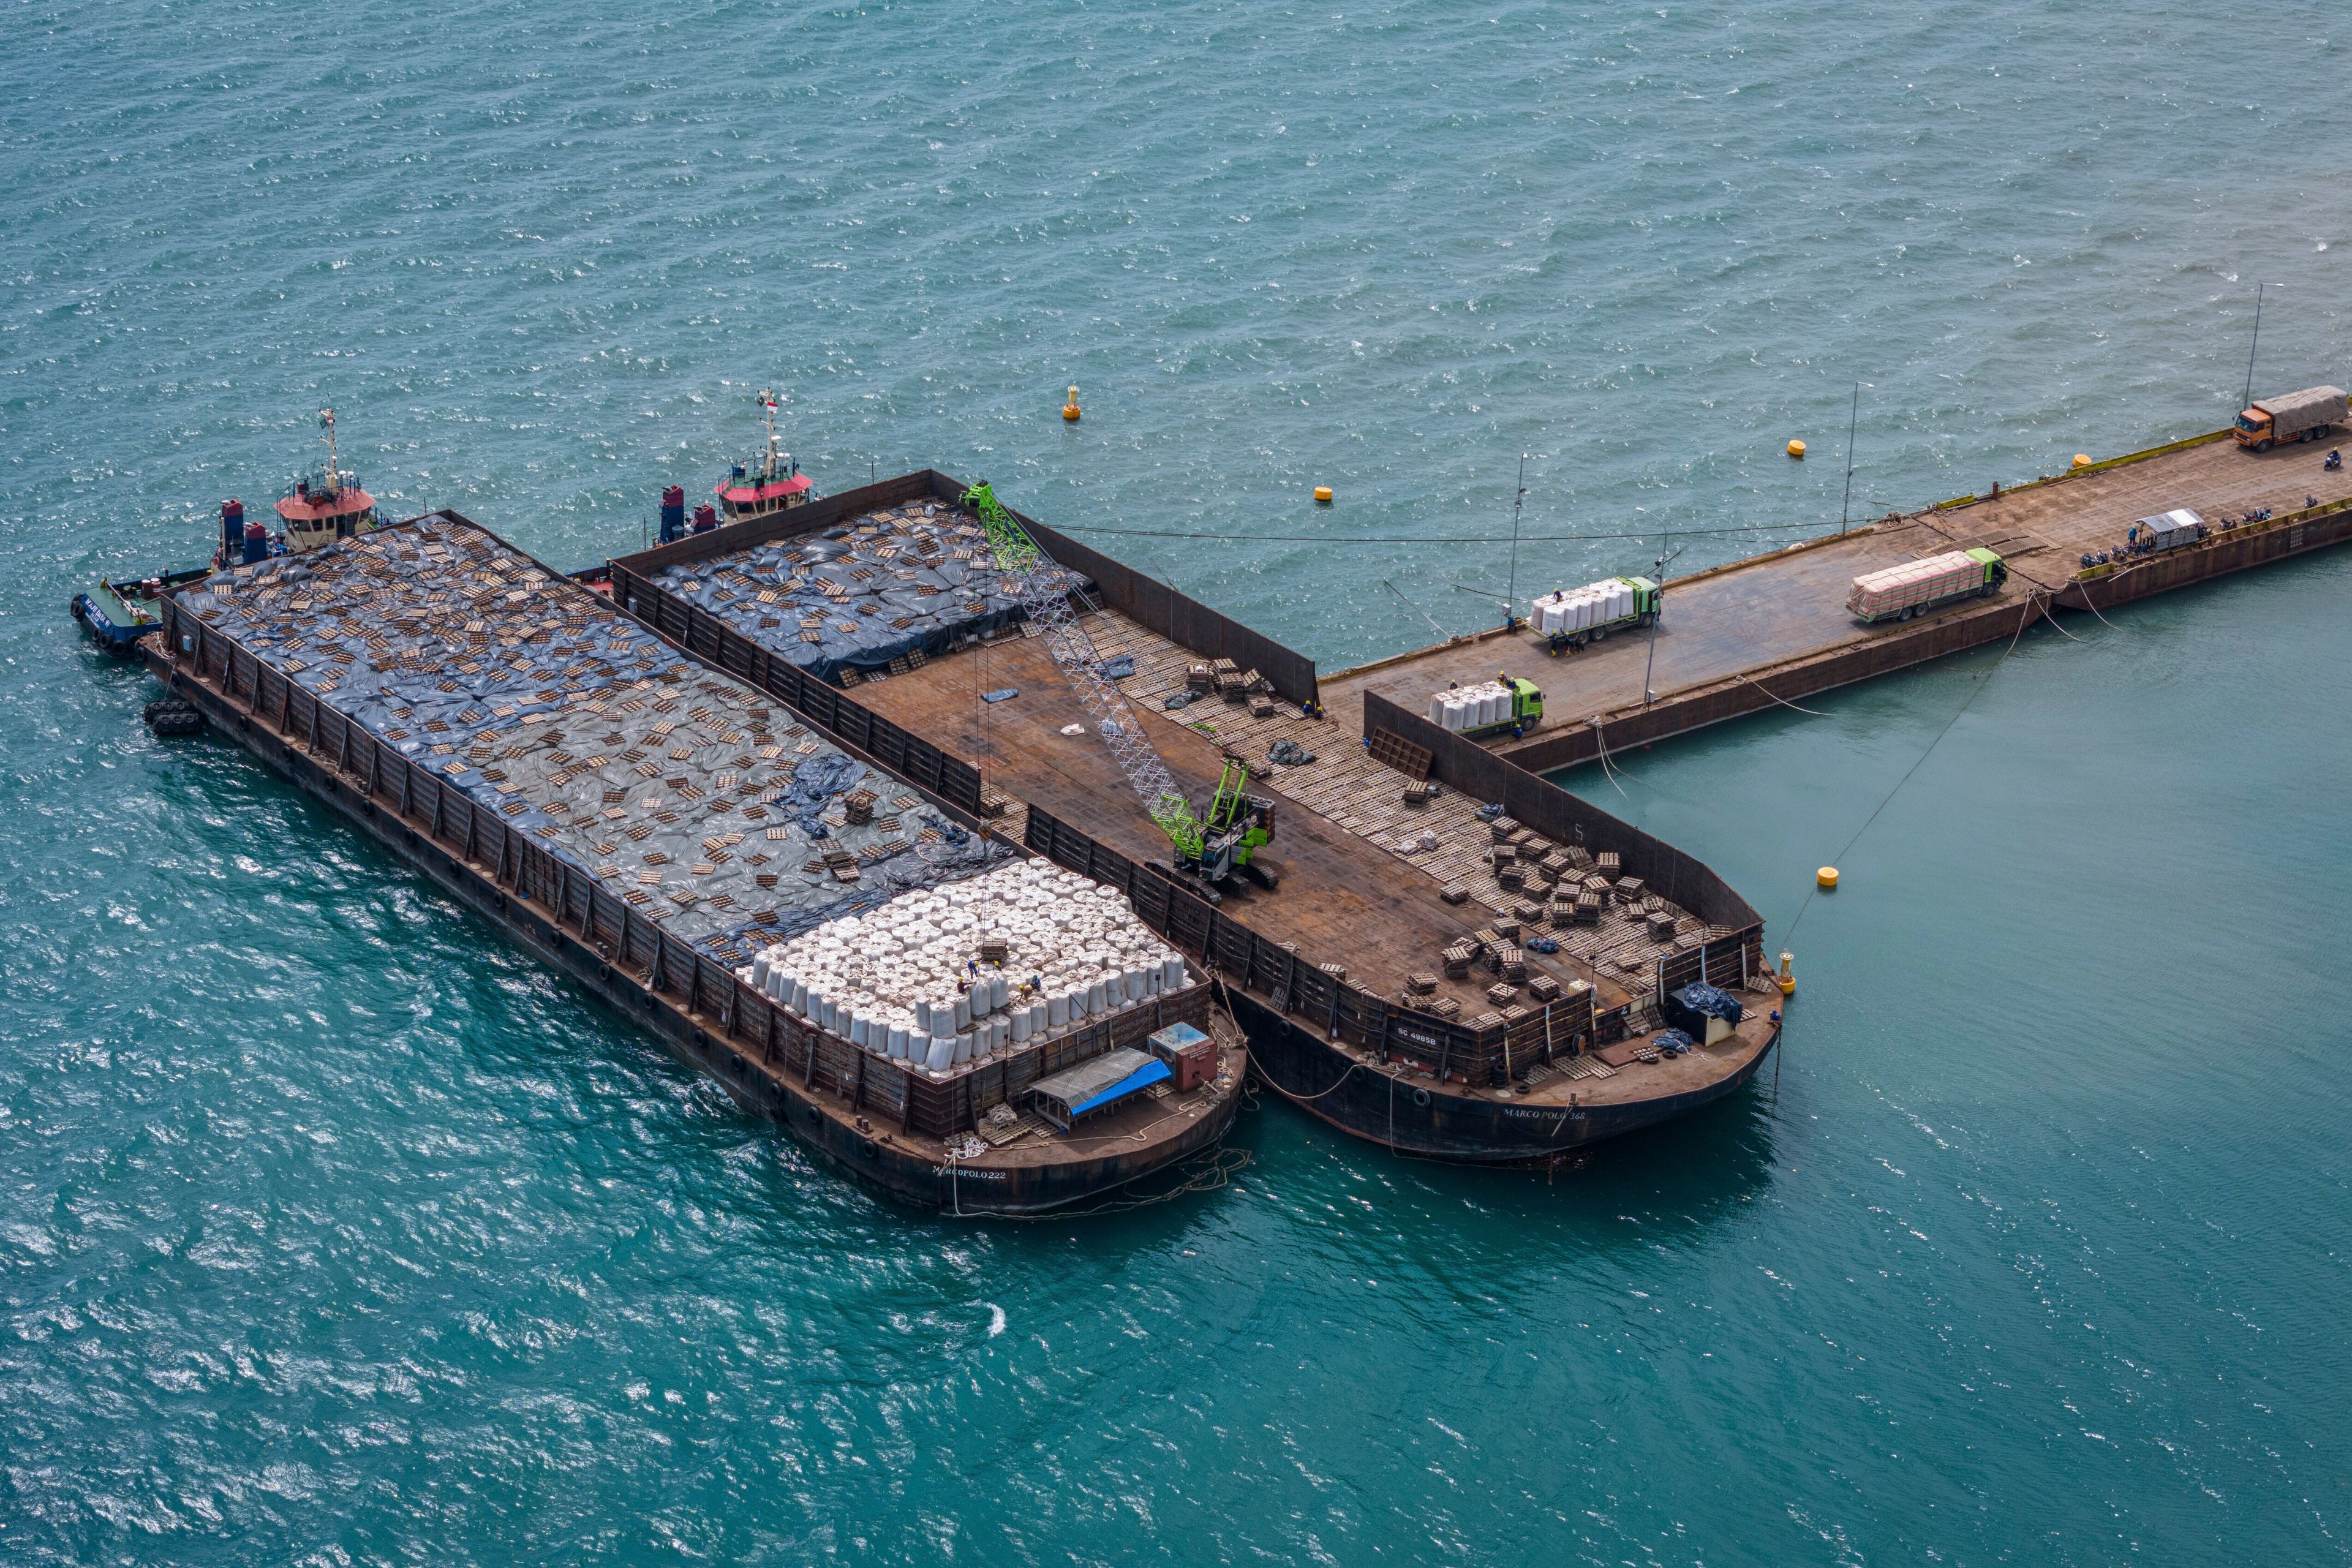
(905, 981)
(1471, 706)
(1581, 609)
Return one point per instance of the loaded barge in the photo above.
(671, 839)
(1433, 949)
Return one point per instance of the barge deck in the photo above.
(1341, 978)
(506, 731)
(1739, 639)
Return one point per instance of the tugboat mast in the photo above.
(334, 474)
(768, 403)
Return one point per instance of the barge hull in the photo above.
(1396, 1109)
(767, 1060)
(1349, 899)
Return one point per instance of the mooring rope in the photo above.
(2032, 607)
(1781, 701)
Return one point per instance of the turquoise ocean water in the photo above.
(332, 1231)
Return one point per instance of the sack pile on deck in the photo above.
(954, 975)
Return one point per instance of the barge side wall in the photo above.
(1154, 604)
(764, 1056)
(1939, 635)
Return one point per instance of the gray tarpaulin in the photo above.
(692, 795)
(916, 578)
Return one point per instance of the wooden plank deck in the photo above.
(1344, 898)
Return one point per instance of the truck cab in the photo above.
(1527, 704)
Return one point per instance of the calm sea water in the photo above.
(332, 1231)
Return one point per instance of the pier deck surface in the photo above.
(1755, 624)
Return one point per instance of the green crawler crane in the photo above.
(1214, 848)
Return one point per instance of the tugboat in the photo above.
(318, 511)
(119, 614)
(753, 490)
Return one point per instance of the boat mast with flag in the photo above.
(775, 483)
(321, 509)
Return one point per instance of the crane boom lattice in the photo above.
(1046, 588)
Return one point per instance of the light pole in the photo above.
(2255, 344)
(1511, 591)
(1657, 575)
(1846, 507)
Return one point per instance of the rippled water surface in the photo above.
(332, 1230)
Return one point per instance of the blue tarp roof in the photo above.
(1098, 1081)
(1142, 1078)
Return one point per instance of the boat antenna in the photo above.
(1511, 591)
(768, 402)
(2253, 346)
(334, 474)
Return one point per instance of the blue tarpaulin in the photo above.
(1095, 1083)
(1143, 1077)
(882, 586)
(1689, 1008)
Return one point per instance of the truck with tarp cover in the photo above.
(2306, 416)
(1899, 592)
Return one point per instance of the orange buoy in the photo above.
(2082, 459)
(1797, 450)
(1070, 409)
(1323, 494)
(1826, 877)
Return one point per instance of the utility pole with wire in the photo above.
(1511, 592)
(1657, 575)
(1853, 417)
(2253, 346)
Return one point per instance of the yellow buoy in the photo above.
(1826, 876)
(1787, 978)
(1323, 494)
(2082, 459)
(1797, 449)
(1070, 409)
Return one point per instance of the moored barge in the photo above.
(653, 827)
(1456, 958)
